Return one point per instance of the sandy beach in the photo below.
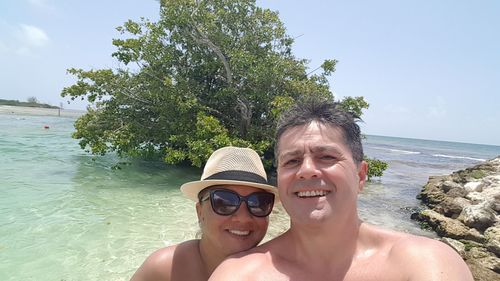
(22, 110)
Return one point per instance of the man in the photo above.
(320, 173)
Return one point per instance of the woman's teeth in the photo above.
(239, 232)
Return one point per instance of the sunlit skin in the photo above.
(221, 236)
(217, 237)
(318, 161)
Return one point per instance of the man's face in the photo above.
(318, 179)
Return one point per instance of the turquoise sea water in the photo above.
(65, 215)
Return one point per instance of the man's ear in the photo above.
(362, 173)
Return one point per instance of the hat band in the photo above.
(237, 176)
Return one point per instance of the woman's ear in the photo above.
(198, 212)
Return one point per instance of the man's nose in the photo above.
(308, 169)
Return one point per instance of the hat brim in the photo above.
(191, 189)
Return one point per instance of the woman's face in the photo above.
(233, 233)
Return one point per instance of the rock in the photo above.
(485, 259)
(482, 271)
(457, 192)
(492, 236)
(452, 207)
(458, 246)
(446, 227)
(472, 186)
(431, 194)
(476, 197)
(448, 184)
(479, 216)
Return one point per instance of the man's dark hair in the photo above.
(324, 112)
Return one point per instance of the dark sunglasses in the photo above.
(226, 202)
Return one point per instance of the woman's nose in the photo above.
(242, 213)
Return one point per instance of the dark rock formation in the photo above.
(464, 210)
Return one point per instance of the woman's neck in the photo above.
(210, 257)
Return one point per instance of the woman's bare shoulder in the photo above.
(158, 265)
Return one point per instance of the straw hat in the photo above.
(230, 166)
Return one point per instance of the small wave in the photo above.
(397, 150)
(458, 157)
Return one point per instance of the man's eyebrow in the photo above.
(290, 153)
(314, 149)
(323, 148)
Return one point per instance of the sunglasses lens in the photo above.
(225, 202)
(260, 204)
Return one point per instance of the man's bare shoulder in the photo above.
(254, 264)
(248, 267)
(425, 257)
(406, 256)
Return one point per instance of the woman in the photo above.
(233, 204)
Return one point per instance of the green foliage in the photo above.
(207, 74)
(354, 105)
(376, 167)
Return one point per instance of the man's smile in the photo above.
(312, 193)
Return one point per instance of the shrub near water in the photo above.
(376, 167)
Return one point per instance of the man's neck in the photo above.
(326, 244)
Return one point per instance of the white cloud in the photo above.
(22, 39)
(33, 36)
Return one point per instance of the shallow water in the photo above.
(65, 215)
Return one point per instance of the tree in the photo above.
(32, 100)
(206, 75)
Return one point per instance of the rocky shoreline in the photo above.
(464, 210)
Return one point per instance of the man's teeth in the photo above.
(312, 193)
(239, 232)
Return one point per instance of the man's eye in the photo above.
(328, 157)
(291, 162)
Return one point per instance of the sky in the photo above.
(430, 69)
